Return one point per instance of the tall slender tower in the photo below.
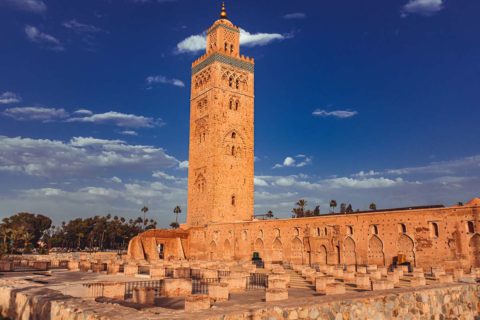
(221, 161)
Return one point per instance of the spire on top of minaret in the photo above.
(223, 13)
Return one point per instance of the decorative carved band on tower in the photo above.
(221, 150)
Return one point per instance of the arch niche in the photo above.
(322, 255)
(349, 256)
(296, 251)
(212, 253)
(277, 250)
(406, 247)
(474, 250)
(259, 247)
(375, 251)
(227, 250)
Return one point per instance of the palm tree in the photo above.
(269, 214)
(373, 206)
(333, 205)
(144, 210)
(174, 225)
(177, 211)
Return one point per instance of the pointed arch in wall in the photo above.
(277, 250)
(375, 251)
(406, 247)
(227, 250)
(212, 253)
(296, 251)
(349, 256)
(259, 247)
(322, 255)
(474, 250)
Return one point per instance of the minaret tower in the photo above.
(220, 174)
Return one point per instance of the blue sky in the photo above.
(355, 101)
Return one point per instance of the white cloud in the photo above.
(163, 175)
(259, 182)
(422, 7)
(342, 114)
(35, 113)
(367, 183)
(78, 157)
(295, 15)
(183, 165)
(9, 97)
(49, 41)
(298, 161)
(129, 133)
(33, 6)
(116, 179)
(164, 80)
(198, 42)
(120, 119)
(83, 112)
(79, 27)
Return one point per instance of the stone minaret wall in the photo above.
(221, 152)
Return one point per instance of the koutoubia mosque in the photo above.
(220, 222)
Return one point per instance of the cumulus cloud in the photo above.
(183, 165)
(341, 114)
(164, 80)
(116, 179)
(79, 156)
(120, 119)
(295, 15)
(79, 27)
(35, 113)
(33, 6)
(367, 183)
(422, 7)
(298, 161)
(9, 97)
(259, 182)
(198, 42)
(163, 175)
(44, 39)
(83, 112)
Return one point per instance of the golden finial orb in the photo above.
(223, 13)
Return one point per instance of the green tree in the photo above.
(333, 205)
(269, 214)
(177, 211)
(373, 206)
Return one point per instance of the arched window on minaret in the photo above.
(231, 48)
(230, 82)
(231, 104)
(233, 200)
(226, 47)
(237, 84)
(234, 135)
(233, 150)
(237, 103)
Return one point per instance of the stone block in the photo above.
(84, 265)
(97, 267)
(394, 277)
(177, 287)
(114, 290)
(362, 281)
(144, 295)
(383, 271)
(181, 272)
(218, 291)
(235, 283)
(335, 288)
(41, 265)
(418, 281)
(6, 266)
(382, 285)
(322, 282)
(275, 294)
(338, 273)
(375, 274)
(130, 270)
(283, 276)
(349, 276)
(197, 303)
(458, 273)
(73, 266)
(418, 274)
(372, 267)
(445, 278)
(277, 283)
(362, 269)
(209, 273)
(113, 268)
(352, 268)
(157, 272)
